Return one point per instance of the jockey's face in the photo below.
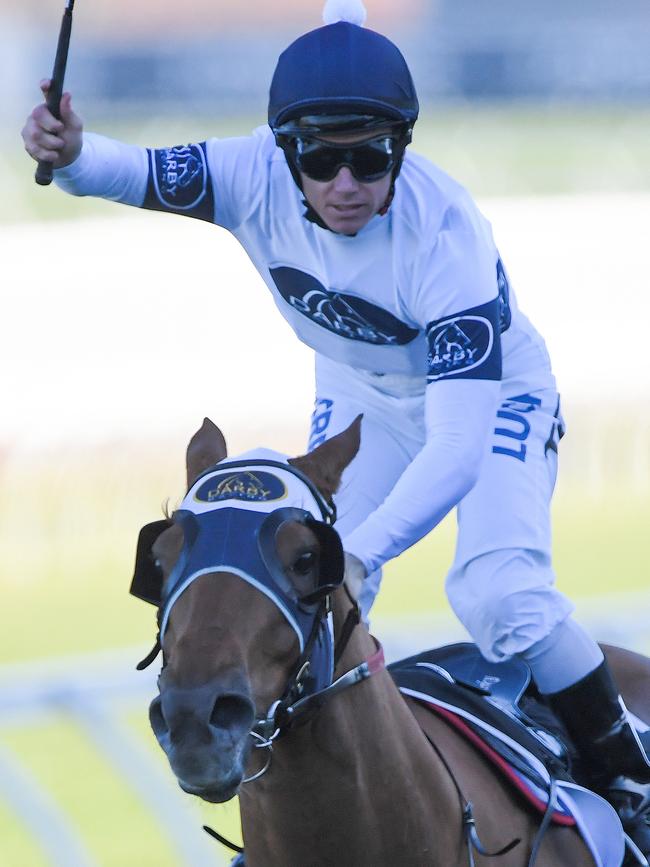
(345, 204)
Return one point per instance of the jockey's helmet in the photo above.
(341, 77)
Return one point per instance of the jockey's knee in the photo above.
(506, 601)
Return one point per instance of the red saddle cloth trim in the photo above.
(495, 758)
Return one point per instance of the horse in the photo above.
(353, 773)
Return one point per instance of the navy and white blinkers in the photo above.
(231, 518)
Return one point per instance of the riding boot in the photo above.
(616, 763)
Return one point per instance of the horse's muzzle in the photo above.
(215, 795)
(204, 734)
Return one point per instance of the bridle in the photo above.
(311, 681)
(296, 705)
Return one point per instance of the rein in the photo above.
(282, 716)
(294, 705)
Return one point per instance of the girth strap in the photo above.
(470, 833)
(473, 840)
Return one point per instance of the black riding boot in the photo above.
(617, 765)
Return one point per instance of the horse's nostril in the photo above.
(157, 718)
(232, 711)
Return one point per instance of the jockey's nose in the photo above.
(345, 181)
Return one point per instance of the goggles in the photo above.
(368, 160)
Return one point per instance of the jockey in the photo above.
(384, 265)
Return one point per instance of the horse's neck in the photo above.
(354, 768)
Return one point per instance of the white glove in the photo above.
(355, 574)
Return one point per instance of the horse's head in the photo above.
(240, 574)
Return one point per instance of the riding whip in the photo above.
(53, 101)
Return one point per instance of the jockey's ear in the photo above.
(206, 448)
(325, 465)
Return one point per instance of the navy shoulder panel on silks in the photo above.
(179, 182)
(466, 345)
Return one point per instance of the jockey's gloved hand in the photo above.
(355, 574)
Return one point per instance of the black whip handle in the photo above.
(44, 169)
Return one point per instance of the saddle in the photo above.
(497, 702)
(500, 695)
(497, 708)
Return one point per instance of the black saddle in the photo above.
(490, 696)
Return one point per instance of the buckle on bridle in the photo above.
(264, 732)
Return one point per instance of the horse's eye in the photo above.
(305, 563)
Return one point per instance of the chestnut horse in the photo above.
(362, 777)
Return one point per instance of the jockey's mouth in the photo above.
(348, 208)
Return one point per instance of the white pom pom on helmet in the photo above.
(352, 11)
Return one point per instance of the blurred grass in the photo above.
(492, 150)
(113, 825)
(88, 791)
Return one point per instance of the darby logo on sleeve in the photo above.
(459, 345)
(180, 176)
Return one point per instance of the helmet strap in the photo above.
(389, 200)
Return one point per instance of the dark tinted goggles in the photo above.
(368, 161)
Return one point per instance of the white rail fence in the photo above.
(93, 691)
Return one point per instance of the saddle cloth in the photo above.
(493, 705)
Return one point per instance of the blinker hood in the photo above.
(243, 543)
(230, 525)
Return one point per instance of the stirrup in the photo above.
(626, 743)
(631, 800)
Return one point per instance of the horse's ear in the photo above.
(206, 448)
(325, 465)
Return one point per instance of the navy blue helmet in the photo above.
(341, 76)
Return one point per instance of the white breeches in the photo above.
(501, 582)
